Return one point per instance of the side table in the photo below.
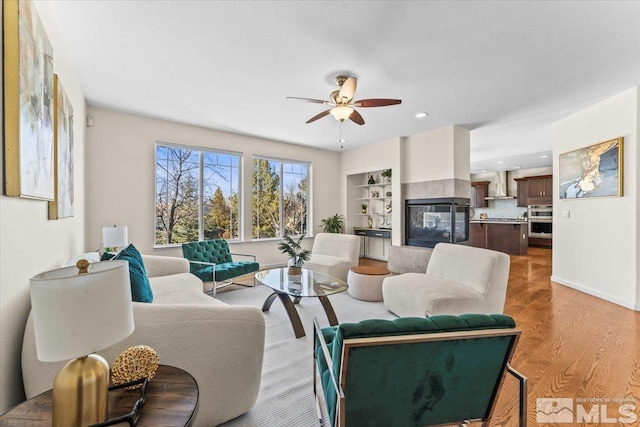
(365, 282)
(171, 400)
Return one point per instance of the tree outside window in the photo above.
(280, 198)
(196, 194)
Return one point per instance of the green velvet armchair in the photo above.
(212, 261)
(441, 370)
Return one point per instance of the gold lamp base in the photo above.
(81, 392)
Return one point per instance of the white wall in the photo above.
(29, 242)
(121, 176)
(596, 249)
(438, 154)
(461, 152)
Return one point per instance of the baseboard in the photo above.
(597, 294)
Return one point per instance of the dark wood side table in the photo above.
(171, 400)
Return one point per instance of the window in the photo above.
(196, 194)
(280, 197)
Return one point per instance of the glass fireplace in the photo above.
(431, 221)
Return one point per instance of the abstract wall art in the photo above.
(28, 103)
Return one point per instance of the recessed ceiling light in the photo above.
(421, 115)
(500, 161)
(484, 170)
(517, 167)
(544, 157)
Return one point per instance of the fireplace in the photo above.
(431, 221)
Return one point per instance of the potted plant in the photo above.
(364, 208)
(386, 174)
(333, 224)
(297, 255)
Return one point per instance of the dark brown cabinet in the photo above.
(510, 238)
(523, 192)
(537, 188)
(479, 190)
(478, 235)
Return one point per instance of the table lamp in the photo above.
(78, 311)
(114, 237)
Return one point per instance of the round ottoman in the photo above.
(365, 282)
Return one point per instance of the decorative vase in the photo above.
(369, 222)
(364, 210)
(294, 271)
(371, 180)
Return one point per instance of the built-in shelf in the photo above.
(375, 197)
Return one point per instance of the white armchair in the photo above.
(334, 254)
(459, 279)
(220, 345)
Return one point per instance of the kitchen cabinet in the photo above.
(508, 237)
(478, 235)
(523, 192)
(538, 188)
(479, 190)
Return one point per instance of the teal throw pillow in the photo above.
(140, 286)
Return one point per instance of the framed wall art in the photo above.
(62, 206)
(594, 171)
(28, 103)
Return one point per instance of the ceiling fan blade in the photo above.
(376, 102)
(315, 101)
(318, 116)
(348, 89)
(356, 118)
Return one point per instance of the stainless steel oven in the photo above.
(540, 221)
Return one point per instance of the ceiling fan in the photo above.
(343, 106)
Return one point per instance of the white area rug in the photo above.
(286, 392)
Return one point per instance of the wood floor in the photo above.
(573, 345)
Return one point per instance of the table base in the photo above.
(294, 317)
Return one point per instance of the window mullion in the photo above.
(201, 196)
(280, 186)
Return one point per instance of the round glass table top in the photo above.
(308, 284)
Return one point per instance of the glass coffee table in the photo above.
(307, 284)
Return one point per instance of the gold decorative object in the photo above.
(140, 361)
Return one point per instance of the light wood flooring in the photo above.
(573, 345)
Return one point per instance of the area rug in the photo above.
(286, 391)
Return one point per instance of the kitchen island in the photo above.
(507, 235)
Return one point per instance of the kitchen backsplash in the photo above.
(506, 208)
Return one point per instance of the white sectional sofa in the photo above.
(334, 254)
(459, 279)
(220, 345)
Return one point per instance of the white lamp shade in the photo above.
(341, 113)
(114, 237)
(77, 314)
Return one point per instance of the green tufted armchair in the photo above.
(415, 372)
(212, 261)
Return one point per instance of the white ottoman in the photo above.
(365, 282)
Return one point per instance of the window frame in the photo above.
(309, 166)
(201, 154)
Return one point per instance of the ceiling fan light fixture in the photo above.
(341, 113)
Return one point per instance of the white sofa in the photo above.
(459, 279)
(334, 254)
(220, 345)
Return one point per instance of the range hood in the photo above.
(501, 187)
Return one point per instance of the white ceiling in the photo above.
(505, 70)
